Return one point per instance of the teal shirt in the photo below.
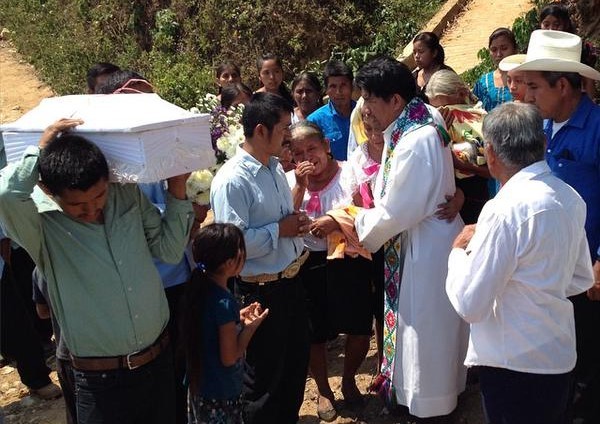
(104, 288)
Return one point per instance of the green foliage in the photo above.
(166, 31)
(397, 23)
(180, 81)
(485, 65)
(178, 43)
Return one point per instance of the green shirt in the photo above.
(104, 289)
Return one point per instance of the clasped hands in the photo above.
(298, 224)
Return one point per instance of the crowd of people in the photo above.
(459, 226)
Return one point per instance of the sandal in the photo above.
(327, 412)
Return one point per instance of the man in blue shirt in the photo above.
(174, 277)
(250, 190)
(553, 75)
(334, 117)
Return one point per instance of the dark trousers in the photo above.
(67, 384)
(174, 295)
(141, 396)
(19, 341)
(22, 267)
(511, 397)
(278, 353)
(587, 372)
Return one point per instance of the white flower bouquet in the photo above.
(197, 186)
(226, 133)
(207, 104)
(231, 139)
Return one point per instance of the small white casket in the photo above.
(144, 138)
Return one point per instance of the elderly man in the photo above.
(424, 338)
(553, 74)
(511, 274)
(251, 191)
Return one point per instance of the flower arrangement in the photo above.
(197, 186)
(207, 104)
(230, 140)
(226, 131)
(226, 134)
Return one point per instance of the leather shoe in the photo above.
(48, 392)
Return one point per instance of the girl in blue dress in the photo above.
(215, 331)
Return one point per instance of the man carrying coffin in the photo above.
(95, 251)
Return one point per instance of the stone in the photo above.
(4, 34)
(7, 370)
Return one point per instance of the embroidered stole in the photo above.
(414, 116)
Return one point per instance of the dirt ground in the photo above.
(21, 90)
(470, 31)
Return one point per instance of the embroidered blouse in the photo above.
(316, 203)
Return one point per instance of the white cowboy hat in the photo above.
(511, 62)
(554, 51)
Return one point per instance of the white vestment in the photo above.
(431, 338)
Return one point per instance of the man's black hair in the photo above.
(573, 78)
(99, 69)
(265, 109)
(71, 162)
(383, 77)
(337, 68)
(117, 80)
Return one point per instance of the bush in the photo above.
(178, 43)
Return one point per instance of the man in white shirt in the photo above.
(554, 77)
(511, 274)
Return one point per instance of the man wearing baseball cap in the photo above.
(553, 74)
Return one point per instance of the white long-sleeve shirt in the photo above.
(529, 252)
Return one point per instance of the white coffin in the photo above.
(144, 138)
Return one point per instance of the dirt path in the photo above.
(471, 30)
(20, 91)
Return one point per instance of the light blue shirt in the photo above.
(255, 198)
(170, 274)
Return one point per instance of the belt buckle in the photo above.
(128, 359)
(291, 270)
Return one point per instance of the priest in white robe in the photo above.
(425, 340)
